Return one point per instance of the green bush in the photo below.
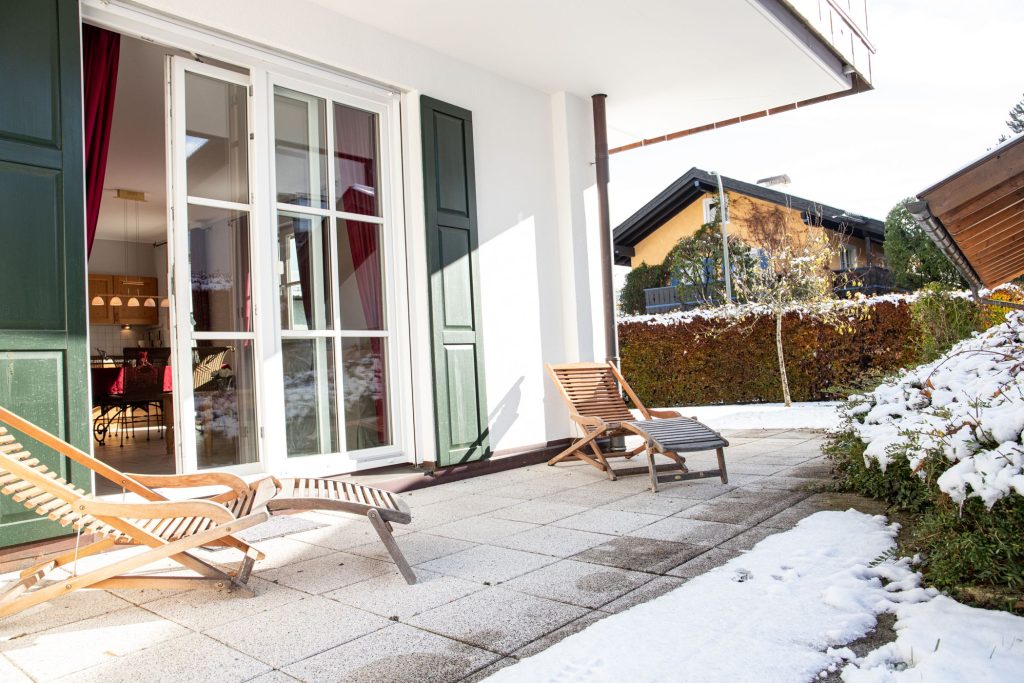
(942, 320)
(975, 554)
(631, 297)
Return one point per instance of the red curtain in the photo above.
(364, 244)
(100, 52)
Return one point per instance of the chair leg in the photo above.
(383, 530)
(579, 445)
(604, 463)
(721, 465)
(652, 468)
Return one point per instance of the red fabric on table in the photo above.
(110, 381)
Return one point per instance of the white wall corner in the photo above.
(574, 181)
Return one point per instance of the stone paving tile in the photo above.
(418, 498)
(297, 630)
(10, 673)
(749, 538)
(273, 677)
(692, 531)
(841, 501)
(417, 547)
(728, 511)
(555, 541)
(615, 522)
(487, 564)
(578, 583)
(539, 488)
(816, 471)
(426, 516)
(645, 593)
(390, 596)
(786, 519)
(481, 529)
(640, 554)
(57, 652)
(702, 489)
(538, 512)
(193, 657)
(752, 467)
(649, 503)
(489, 670)
(705, 562)
(589, 497)
(788, 483)
(572, 628)
(283, 551)
(497, 619)
(397, 654)
(66, 609)
(326, 573)
(753, 433)
(201, 610)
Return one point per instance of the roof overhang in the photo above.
(665, 65)
(976, 216)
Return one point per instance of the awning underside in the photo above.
(981, 209)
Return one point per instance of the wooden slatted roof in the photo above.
(976, 216)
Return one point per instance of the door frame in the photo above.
(409, 375)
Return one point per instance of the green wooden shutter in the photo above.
(460, 401)
(43, 349)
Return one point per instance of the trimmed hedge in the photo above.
(707, 360)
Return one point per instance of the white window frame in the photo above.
(709, 209)
(403, 362)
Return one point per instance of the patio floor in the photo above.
(509, 563)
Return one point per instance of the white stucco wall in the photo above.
(534, 181)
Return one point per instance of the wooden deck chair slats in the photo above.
(124, 523)
(593, 392)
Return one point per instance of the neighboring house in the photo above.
(366, 222)
(691, 201)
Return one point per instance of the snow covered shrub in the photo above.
(947, 439)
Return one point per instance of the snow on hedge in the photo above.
(966, 408)
(742, 311)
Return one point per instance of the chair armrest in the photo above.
(156, 509)
(170, 481)
(595, 422)
(664, 414)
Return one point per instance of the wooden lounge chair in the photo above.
(170, 529)
(380, 507)
(595, 404)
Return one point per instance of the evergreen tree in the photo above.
(912, 257)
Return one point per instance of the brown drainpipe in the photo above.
(611, 342)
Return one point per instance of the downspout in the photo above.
(938, 234)
(611, 340)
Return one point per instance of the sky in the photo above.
(945, 74)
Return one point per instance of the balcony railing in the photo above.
(865, 280)
(844, 25)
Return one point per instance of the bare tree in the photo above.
(794, 270)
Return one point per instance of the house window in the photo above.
(848, 257)
(710, 207)
(331, 276)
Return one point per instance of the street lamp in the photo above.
(725, 237)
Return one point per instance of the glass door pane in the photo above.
(212, 254)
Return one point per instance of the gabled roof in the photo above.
(695, 183)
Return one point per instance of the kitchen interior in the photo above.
(129, 322)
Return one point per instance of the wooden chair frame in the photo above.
(610, 417)
(170, 529)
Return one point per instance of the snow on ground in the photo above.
(816, 415)
(782, 612)
(966, 407)
(942, 641)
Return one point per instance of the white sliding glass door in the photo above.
(213, 242)
(333, 273)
